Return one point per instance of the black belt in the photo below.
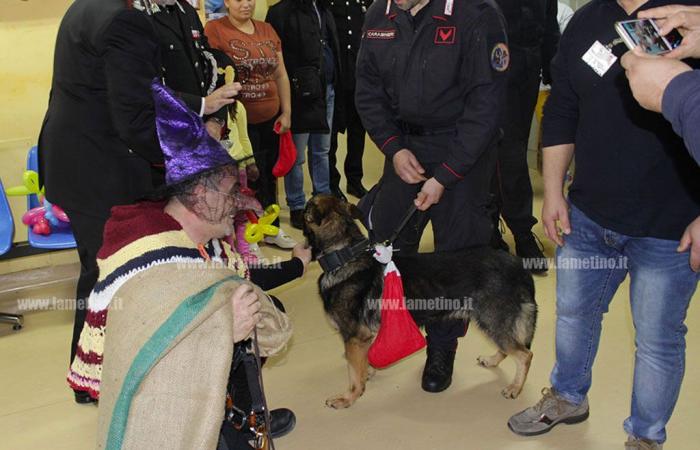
(412, 129)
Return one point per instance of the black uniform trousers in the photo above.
(265, 144)
(461, 218)
(355, 134)
(511, 182)
(87, 231)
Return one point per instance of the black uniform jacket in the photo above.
(296, 23)
(349, 16)
(98, 138)
(188, 64)
(533, 27)
(449, 72)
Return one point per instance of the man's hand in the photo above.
(555, 209)
(691, 240)
(430, 194)
(686, 19)
(285, 122)
(214, 129)
(649, 76)
(252, 172)
(246, 311)
(302, 252)
(407, 167)
(221, 97)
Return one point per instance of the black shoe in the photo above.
(529, 248)
(83, 398)
(339, 194)
(296, 218)
(282, 422)
(437, 374)
(356, 189)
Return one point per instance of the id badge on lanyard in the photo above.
(600, 57)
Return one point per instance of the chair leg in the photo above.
(15, 319)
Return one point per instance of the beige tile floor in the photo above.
(37, 411)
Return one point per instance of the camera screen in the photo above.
(644, 34)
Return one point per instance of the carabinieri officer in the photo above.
(430, 92)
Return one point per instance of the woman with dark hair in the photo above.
(256, 52)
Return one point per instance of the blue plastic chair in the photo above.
(58, 239)
(7, 230)
(7, 225)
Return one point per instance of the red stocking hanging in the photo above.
(287, 155)
(398, 335)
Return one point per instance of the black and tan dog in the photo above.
(489, 287)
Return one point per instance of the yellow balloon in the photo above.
(255, 232)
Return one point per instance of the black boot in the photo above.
(83, 398)
(296, 218)
(437, 374)
(529, 248)
(339, 194)
(356, 189)
(282, 421)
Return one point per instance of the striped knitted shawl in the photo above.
(136, 238)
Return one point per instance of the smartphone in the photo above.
(645, 33)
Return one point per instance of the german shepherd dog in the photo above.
(500, 292)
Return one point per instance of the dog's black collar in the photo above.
(333, 260)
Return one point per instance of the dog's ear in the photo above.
(354, 211)
(312, 214)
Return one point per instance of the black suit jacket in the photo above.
(296, 23)
(98, 138)
(188, 64)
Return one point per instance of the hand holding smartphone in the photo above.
(645, 34)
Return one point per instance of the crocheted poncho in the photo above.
(136, 238)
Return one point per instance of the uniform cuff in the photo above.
(201, 109)
(446, 176)
(391, 146)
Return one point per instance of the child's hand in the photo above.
(252, 172)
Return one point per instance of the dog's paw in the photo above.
(488, 361)
(511, 391)
(339, 402)
(371, 372)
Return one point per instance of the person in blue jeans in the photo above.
(319, 144)
(635, 192)
(310, 48)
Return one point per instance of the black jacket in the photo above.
(532, 29)
(296, 23)
(188, 64)
(98, 138)
(448, 75)
(349, 16)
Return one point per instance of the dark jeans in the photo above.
(265, 144)
(355, 134)
(88, 237)
(511, 184)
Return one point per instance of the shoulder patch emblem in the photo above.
(500, 57)
(380, 34)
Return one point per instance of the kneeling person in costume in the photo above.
(169, 352)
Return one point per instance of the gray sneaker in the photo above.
(547, 413)
(634, 443)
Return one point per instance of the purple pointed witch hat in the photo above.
(188, 149)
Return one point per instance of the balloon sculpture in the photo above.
(258, 228)
(44, 218)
